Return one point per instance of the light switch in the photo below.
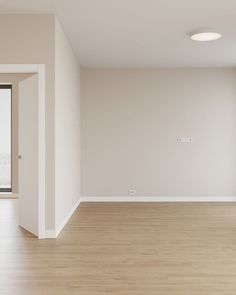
(184, 139)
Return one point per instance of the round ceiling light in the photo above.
(205, 35)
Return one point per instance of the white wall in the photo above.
(130, 122)
(67, 126)
(30, 39)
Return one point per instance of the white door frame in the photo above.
(40, 70)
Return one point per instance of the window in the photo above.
(5, 138)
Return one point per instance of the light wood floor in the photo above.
(141, 249)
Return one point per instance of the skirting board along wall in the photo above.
(158, 199)
(52, 234)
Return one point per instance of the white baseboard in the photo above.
(158, 199)
(52, 234)
(67, 218)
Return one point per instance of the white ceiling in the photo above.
(141, 33)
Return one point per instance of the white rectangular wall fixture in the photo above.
(184, 139)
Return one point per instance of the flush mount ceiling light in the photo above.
(205, 35)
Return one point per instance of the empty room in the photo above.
(117, 147)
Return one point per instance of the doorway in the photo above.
(31, 146)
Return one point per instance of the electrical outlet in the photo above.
(132, 192)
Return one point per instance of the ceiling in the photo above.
(141, 33)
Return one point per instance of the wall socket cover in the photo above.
(132, 192)
(184, 140)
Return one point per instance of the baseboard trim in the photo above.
(50, 234)
(67, 218)
(158, 199)
(53, 234)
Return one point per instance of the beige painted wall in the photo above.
(67, 126)
(31, 39)
(40, 39)
(130, 122)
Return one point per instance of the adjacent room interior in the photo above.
(117, 147)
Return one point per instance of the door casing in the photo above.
(40, 70)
